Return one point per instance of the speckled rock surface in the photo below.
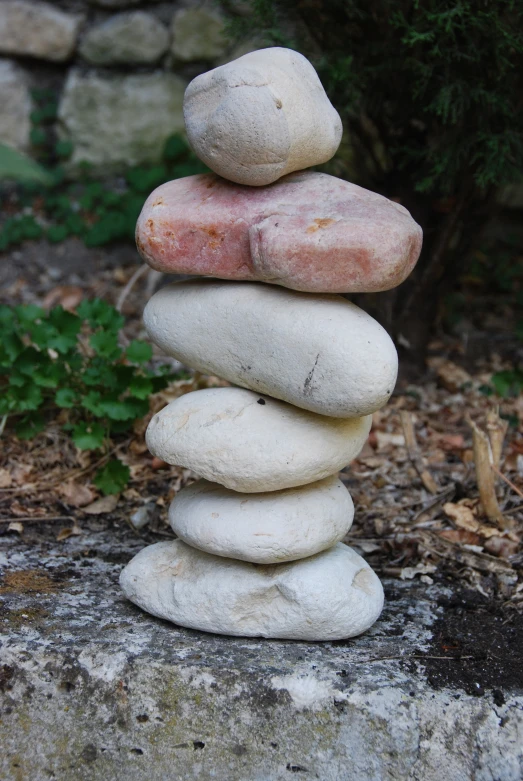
(266, 528)
(330, 596)
(131, 38)
(15, 99)
(198, 34)
(117, 120)
(320, 353)
(37, 29)
(252, 443)
(309, 231)
(261, 116)
(93, 688)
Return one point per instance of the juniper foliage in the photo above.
(430, 94)
(428, 88)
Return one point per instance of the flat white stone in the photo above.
(318, 352)
(329, 596)
(261, 116)
(265, 528)
(253, 443)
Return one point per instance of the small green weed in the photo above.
(57, 361)
(90, 209)
(508, 383)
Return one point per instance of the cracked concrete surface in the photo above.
(93, 688)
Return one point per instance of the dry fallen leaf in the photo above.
(502, 546)
(20, 473)
(384, 439)
(408, 573)
(461, 536)
(5, 478)
(76, 494)
(451, 376)
(157, 463)
(461, 515)
(69, 531)
(16, 526)
(105, 505)
(67, 296)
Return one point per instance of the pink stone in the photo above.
(307, 231)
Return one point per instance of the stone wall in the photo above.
(118, 69)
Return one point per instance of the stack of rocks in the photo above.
(259, 550)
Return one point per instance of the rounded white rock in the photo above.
(329, 596)
(252, 443)
(261, 116)
(318, 352)
(265, 528)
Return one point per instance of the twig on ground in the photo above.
(484, 455)
(508, 482)
(415, 453)
(450, 550)
(129, 286)
(431, 509)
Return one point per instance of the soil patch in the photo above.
(477, 646)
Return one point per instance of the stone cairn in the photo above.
(259, 549)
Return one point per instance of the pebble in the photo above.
(266, 528)
(253, 443)
(320, 353)
(330, 596)
(261, 116)
(309, 231)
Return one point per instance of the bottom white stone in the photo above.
(329, 596)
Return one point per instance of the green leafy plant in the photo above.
(90, 209)
(508, 383)
(72, 363)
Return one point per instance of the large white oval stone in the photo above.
(261, 116)
(253, 443)
(265, 528)
(329, 596)
(319, 352)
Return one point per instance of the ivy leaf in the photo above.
(10, 348)
(105, 344)
(29, 313)
(65, 397)
(99, 313)
(141, 387)
(91, 402)
(139, 352)
(113, 477)
(507, 383)
(29, 426)
(88, 436)
(125, 409)
(49, 375)
(28, 397)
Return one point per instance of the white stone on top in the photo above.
(253, 443)
(266, 528)
(319, 352)
(261, 116)
(329, 596)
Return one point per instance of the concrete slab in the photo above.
(92, 688)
